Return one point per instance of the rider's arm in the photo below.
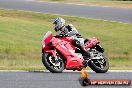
(71, 30)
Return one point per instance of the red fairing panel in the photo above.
(91, 43)
(74, 62)
(47, 40)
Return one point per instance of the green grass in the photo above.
(21, 33)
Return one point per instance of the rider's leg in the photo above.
(83, 51)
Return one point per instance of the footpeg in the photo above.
(86, 62)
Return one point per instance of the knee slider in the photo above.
(75, 42)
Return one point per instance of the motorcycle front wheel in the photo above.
(53, 64)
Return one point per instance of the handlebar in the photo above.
(60, 36)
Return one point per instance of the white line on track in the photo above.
(89, 4)
(98, 19)
(63, 71)
(72, 16)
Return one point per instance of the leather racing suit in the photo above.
(78, 41)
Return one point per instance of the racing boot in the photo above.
(86, 54)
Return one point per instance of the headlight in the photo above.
(43, 44)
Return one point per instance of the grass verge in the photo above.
(21, 33)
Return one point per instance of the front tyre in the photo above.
(99, 62)
(53, 64)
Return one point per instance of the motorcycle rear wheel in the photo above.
(54, 67)
(96, 65)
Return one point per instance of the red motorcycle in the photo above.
(58, 54)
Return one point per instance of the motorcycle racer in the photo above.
(70, 30)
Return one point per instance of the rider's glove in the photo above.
(64, 35)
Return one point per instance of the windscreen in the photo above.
(47, 37)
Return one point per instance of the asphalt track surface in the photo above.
(105, 13)
(58, 80)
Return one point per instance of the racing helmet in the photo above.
(59, 23)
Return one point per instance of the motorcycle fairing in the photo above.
(91, 42)
(73, 61)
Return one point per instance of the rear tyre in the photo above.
(53, 64)
(99, 63)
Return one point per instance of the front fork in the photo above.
(53, 52)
